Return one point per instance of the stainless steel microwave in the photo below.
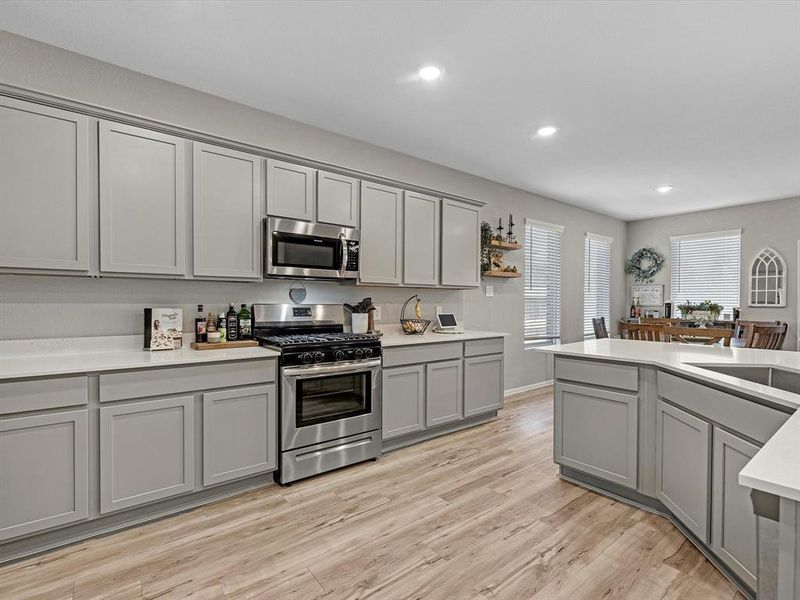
(311, 250)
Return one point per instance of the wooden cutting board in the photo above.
(225, 345)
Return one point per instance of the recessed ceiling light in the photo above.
(429, 73)
(664, 189)
(546, 131)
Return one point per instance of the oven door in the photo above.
(320, 403)
(299, 249)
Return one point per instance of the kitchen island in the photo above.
(707, 436)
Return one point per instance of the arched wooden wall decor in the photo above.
(768, 279)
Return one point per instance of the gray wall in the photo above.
(775, 224)
(36, 307)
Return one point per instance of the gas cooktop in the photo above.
(292, 340)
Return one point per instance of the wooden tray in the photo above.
(225, 345)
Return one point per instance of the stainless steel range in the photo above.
(330, 388)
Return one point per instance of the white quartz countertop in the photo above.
(393, 336)
(42, 358)
(775, 469)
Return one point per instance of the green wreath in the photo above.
(644, 264)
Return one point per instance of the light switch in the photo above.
(377, 314)
(489, 291)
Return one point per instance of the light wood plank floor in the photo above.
(478, 514)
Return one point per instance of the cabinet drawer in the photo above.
(749, 418)
(623, 377)
(479, 347)
(157, 382)
(40, 394)
(407, 355)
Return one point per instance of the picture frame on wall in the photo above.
(649, 294)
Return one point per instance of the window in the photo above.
(705, 266)
(596, 281)
(542, 282)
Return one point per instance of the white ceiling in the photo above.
(704, 96)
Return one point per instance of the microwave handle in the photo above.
(343, 267)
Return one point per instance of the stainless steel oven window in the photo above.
(332, 398)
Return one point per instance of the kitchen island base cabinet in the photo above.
(403, 400)
(146, 451)
(483, 384)
(596, 431)
(444, 392)
(43, 472)
(683, 467)
(239, 429)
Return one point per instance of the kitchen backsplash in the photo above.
(35, 307)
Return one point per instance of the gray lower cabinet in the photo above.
(43, 472)
(596, 431)
(291, 190)
(444, 392)
(45, 187)
(146, 451)
(421, 239)
(483, 384)
(460, 244)
(227, 208)
(381, 234)
(143, 200)
(337, 199)
(683, 467)
(239, 433)
(733, 536)
(403, 400)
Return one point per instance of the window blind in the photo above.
(542, 319)
(596, 281)
(706, 266)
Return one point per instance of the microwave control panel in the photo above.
(352, 255)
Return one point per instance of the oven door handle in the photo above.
(340, 368)
(343, 266)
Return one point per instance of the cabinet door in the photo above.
(44, 187)
(460, 244)
(421, 237)
(444, 392)
(337, 199)
(43, 472)
(146, 452)
(381, 234)
(403, 400)
(240, 433)
(596, 431)
(683, 466)
(227, 213)
(143, 201)
(290, 190)
(483, 384)
(733, 537)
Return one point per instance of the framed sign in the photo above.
(648, 295)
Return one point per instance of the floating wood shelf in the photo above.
(506, 274)
(505, 245)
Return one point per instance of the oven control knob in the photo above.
(319, 356)
(339, 355)
(306, 357)
(367, 352)
(358, 353)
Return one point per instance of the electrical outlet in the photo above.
(439, 310)
(489, 291)
(378, 313)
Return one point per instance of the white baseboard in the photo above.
(528, 388)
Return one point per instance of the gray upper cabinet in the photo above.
(460, 244)
(403, 401)
(444, 392)
(43, 472)
(291, 190)
(146, 451)
(240, 430)
(337, 199)
(421, 239)
(228, 204)
(44, 187)
(381, 234)
(143, 201)
(596, 431)
(734, 534)
(483, 384)
(683, 467)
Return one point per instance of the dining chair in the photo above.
(742, 327)
(643, 332)
(705, 335)
(767, 337)
(599, 325)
